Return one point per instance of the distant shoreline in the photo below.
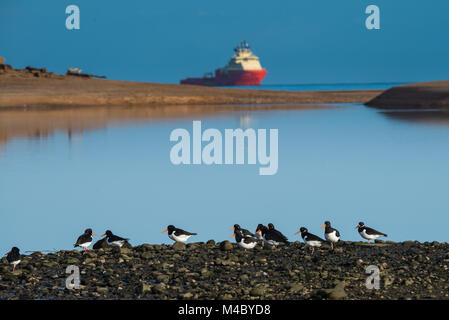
(35, 89)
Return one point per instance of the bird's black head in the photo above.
(236, 227)
(108, 233)
(302, 230)
(326, 225)
(14, 250)
(238, 235)
(260, 227)
(361, 224)
(170, 229)
(271, 226)
(89, 232)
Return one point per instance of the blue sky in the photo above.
(298, 41)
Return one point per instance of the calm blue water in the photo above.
(324, 87)
(345, 165)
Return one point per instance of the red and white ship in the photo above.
(243, 69)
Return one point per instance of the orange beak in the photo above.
(95, 234)
(322, 227)
(164, 231)
(357, 226)
(258, 231)
(232, 235)
(297, 232)
(103, 235)
(231, 229)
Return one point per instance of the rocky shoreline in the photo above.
(408, 270)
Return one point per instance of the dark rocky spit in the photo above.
(408, 270)
(415, 96)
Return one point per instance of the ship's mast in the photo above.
(243, 46)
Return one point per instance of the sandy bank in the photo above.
(424, 95)
(25, 89)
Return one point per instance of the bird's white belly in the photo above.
(118, 243)
(247, 245)
(271, 242)
(314, 243)
(85, 244)
(180, 238)
(331, 237)
(15, 263)
(369, 236)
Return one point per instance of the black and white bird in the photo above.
(244, 242)
(271, 236)
(259, 234)
(114, 240)
(271, 226)
(330, 234)
(272, 229)
(244, 232)
(13, 257)
(310, 239)
(85, 239)
(369, 233)
(178, 235)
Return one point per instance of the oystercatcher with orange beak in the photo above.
(114, 240)
(369, 233)
(244, 242)
(271, 236)
(259, 234)
(310, 239)
(177, 234)
(85, 239)
(13, 257)
(330, 234)
(244, 232)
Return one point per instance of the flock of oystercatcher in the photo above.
(244, 238)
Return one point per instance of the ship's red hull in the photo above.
(231, 78)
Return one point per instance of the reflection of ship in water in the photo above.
(429, 117)
(245, 121)
(74, 135)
